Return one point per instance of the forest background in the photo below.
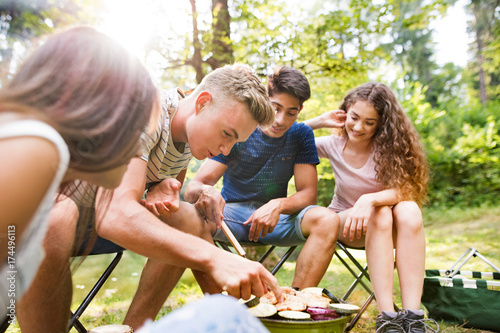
(337, 44)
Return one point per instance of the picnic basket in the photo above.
(467, 298)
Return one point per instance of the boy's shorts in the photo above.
(286, 233)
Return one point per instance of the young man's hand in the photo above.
(241, 277)
(210, 204)
(163, 198)
(263, 220)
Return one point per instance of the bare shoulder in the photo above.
(28, 166)
(28, 152)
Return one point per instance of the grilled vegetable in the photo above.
(296, 315)
(345, 308)
(112, 329)
(263, 310)
(251, 302)
(313, 290)
(322, 313)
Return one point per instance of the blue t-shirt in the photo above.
(260, 168)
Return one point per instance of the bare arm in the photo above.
(132, 226)
(200, 191)
(357, 221)
(330, 119)
(264, 219)
(25, 178)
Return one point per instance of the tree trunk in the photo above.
(196, 61)
(479, 29)
(222, 51)
(482, 84)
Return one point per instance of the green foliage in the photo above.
(467, 173)
(484, 29)
(463, 149)
(338, 45)
(22, 22)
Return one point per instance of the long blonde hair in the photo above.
(87, 86)
(94, 93)
(400, 158)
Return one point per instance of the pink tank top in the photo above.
(350, 183)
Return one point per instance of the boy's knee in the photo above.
(188, 219)
(324, 222)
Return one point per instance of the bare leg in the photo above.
(166, 192)
(158, 279)
(156, 283)
(410, 252)
(320, 226)
(380, 256)
(46, 305)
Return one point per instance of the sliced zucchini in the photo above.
(295, 315)
(345, 308)
(263, 310)
(251, 302)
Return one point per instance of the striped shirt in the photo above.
(158, 150)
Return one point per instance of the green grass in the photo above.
(448, 234)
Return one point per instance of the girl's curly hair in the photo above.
(400, 159)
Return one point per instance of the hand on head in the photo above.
(334, 119)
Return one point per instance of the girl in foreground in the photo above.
(75, 109)
(380, 184)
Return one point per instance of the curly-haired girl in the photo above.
(381, 182)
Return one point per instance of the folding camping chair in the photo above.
(74, 320)
(75, 316)
(360, 276)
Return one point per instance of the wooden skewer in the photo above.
(233, 240)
